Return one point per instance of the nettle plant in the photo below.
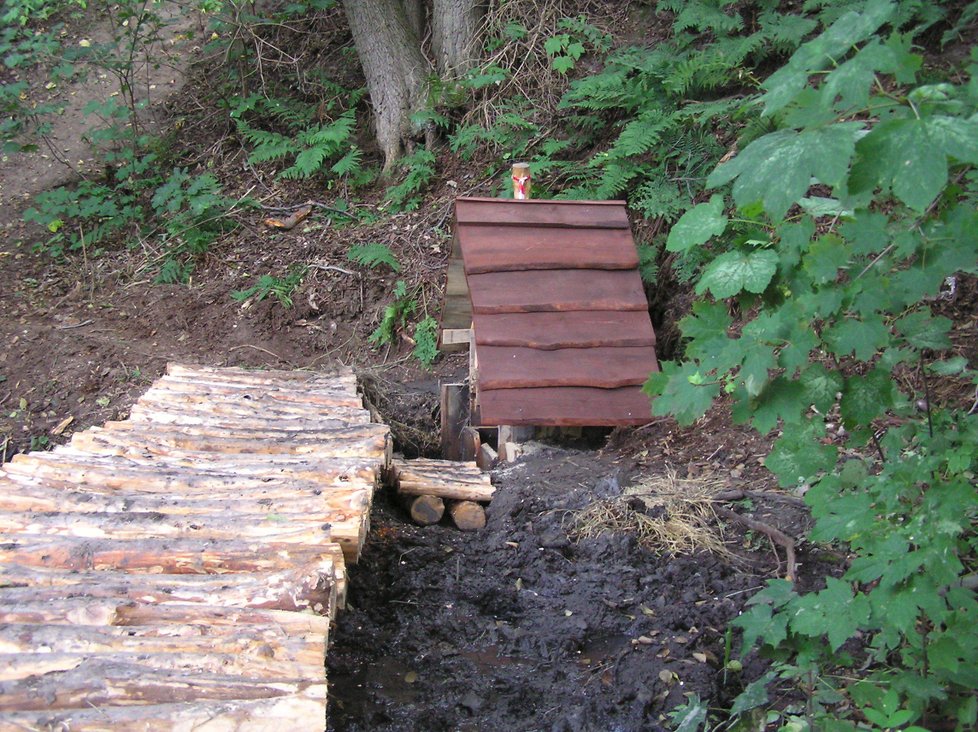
(849, 218)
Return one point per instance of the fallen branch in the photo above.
(317, 204)
(775, 535)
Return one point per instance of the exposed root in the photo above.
(775, 535)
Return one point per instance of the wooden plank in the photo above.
(226, 416)
(452, 336)
(489, 248)
(456, 283)
(566, 407)
(454, 409)
(556, 291)
(503, 212)
(258, 376)
(576, 329)
(605, 368)
(302, 711)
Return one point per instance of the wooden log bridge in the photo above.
(180, 570)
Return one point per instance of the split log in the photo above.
(162, 556)
(259, 376)
(424, 510)
(233, 386)
(351, 441)
(258, 661)
(446, 489)
(257, 401)
(104, 682)
(93, 611)
(469, 443)
(346, 527)
(467, 515)
(220, 417)
(300, 588)
(304, 711)
(149, 475)
(138, 614)
(313, 503)
(77, 611)
(174, 556)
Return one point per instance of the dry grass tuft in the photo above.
(665, 513)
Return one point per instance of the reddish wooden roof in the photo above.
(562, 329)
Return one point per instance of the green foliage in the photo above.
(837, 287)
(373, 255)
(83, 217)
(426, 341)
(418, 169)
(281, 288)
(310, 146)
(194, 214)
(396, 315)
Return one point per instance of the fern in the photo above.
(660, 199)
(704, 15)
(426, 341)
(373, 255)
(420, 169)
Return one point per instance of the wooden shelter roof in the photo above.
(562, 332)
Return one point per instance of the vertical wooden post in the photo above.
(454, 416)
(521, 181)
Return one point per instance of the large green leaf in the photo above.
(862, 338)
(733, 272)
(798, 456)
(682, 391)
(905, 156)
(922, 330)
(865, 397)
(777, 169)
(821, 386)
(698, 225)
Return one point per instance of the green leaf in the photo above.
(798, 456)
(698, 225)
(825, 258)
(949, 367)
(681, 391)
(863, 338)
(905, 156)
(778, 168)
(922, 330)
(562, 64)
(753, 696)
(821, 386)
(865, 397)
(781, 400)
(733, 272)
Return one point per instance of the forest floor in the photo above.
(544, 620)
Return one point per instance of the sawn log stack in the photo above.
(180, 569)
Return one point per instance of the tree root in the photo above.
(775, 535)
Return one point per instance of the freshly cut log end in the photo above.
(468, 515)
(425, 510)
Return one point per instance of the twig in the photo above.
(76, 325)
(333, 268)
(263, 350)
(775, 535)
(297, 206)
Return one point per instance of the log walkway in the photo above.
(179, 570)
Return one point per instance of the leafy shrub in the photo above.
(426, 341)
(419, 168)
(838, 288)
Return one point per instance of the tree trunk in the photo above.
(394, 67)
(456, 27)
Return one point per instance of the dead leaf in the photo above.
(701, 657)
(410, 677)
(667, 677)
(62, 425)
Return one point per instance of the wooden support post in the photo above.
(469, 444)
(454, 416)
